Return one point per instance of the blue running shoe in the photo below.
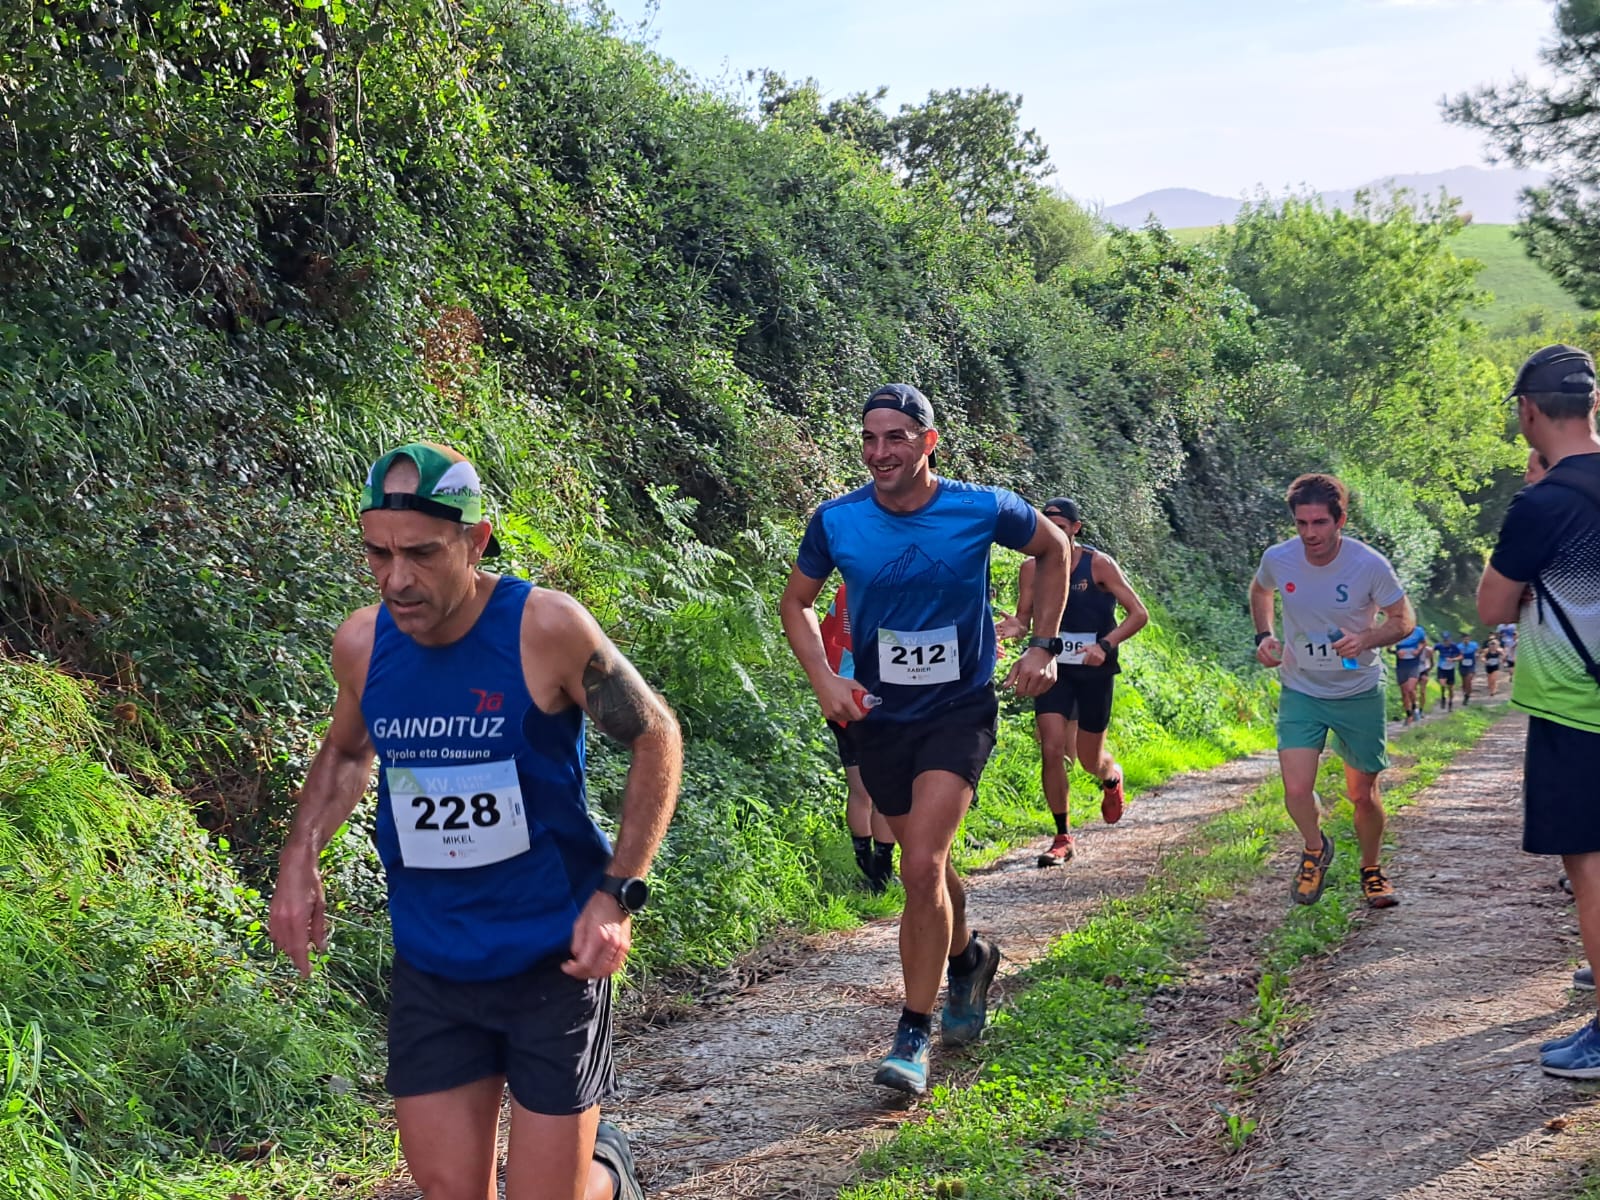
(966, 1002)
(1561, 1043)
(1578, 1059)
(906, 1068)
(1583, 979)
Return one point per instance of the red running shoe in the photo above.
(1060, 852)
(1111, 799)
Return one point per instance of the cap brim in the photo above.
(493, 548)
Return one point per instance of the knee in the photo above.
(922, 873)
(1053, 749)
(1364, 795)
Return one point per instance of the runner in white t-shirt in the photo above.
(1332, 588)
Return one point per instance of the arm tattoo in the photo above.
(617, 699)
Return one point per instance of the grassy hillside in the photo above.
(1518, 283)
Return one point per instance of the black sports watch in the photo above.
(1053, 644)
(1105, 645)
(631, 894)
(1263, 636)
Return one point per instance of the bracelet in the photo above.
(1261, 637)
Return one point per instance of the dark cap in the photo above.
(1061, 507)
(901, 397)
(1556, 369)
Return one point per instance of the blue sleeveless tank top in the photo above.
(483, 820)
(1089, 610)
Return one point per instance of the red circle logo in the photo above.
(1288, 587)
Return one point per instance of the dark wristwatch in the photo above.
(631, 894)
(1105, 645)
(1261, 637)
(1053, 644)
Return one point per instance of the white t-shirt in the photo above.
(1320, 605)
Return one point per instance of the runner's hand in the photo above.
(837, 695)
(1093, 656)
(1033, 674)
(298, 917)
(601, 939)
(1351, 645)
(1008, 626)
(1270, 652)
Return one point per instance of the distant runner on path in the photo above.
(870, 834)
(1408, 655)
(1469, 667)
(1494, 657)
(1545, 575)
(1073, 716)
(1446, 658)
(510, 910)
(1331, 587)
(914, 552)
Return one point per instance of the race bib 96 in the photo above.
(1073, 647)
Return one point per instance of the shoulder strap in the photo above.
(1590, 490)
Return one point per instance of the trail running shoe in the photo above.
(966, 1000)
(611, 1148)
(1583, 979)
(1060, 852)
(1561, 1043)
(1111, 798)
(1578, 1059)
(1376, 888)
(906, 1067)
(1312, 874)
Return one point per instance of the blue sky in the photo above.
(1220, 95)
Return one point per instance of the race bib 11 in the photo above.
(468, 815)
(917, 658)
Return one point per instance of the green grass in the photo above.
(1058, 1055)
(1521, 288)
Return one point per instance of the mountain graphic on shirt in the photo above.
(913, 568)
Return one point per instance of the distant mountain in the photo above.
(1490, 196)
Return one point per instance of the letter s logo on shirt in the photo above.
(1342, 594)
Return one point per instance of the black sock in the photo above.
(1061, 822)
(863, 847)
(967, 961)
(883, 859)
(916, 1020)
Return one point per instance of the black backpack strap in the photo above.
(1590, 489)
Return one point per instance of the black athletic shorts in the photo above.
(1081, 697)
(547, 1033)
(1447, 675)
(891, 754)
(1406, 669)
(1560, 789)
(844, 740)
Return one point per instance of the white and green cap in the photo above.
(447, 486)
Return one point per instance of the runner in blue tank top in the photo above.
(510, 909)
(1073, 716)
(914, 552)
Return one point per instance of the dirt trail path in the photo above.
(1419, 1075)
(1416, 1076)
(769, 1094)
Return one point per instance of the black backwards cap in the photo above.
(1061, 507)
(902, 398)
(1555, 369)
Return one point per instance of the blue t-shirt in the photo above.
(1446, 654)
(918, 582)
(1469, 656)
(1410, 646)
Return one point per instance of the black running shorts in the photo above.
(547, 1033)
(1447, 675)
(846, 743)
(1560, 789)
(1081, 697)
(1406, 669)
(892, 754)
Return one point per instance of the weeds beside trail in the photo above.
(1056, 1055)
